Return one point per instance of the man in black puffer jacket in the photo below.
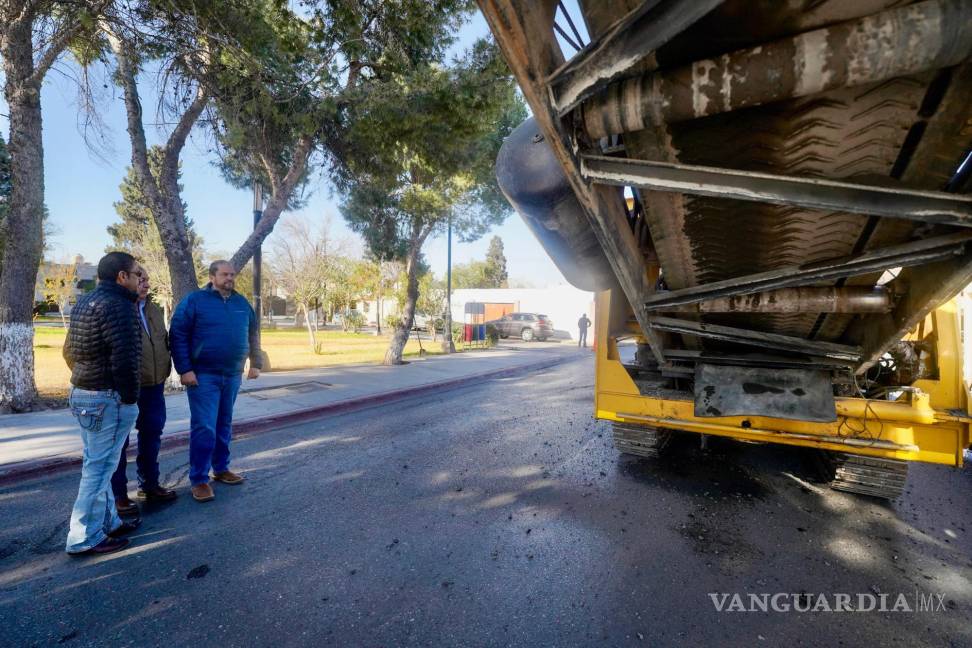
(103, 349)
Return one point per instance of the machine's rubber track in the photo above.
(640, 440)
(884, 478)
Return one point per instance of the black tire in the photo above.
(526, 335)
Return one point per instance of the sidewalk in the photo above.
(40, 441)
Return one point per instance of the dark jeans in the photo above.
(150, 421)
(211, 424)
(582, 340)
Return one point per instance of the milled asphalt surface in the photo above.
(492, 515)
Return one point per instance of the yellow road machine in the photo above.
(770, 200)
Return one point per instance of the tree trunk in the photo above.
(162, 194)
(23, 233)
(64, 322)
(378, 312)
(282, 188)
(310, 329)
(400, 336)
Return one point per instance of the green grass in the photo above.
(288, 349)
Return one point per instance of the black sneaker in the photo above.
(126, 527)
(156, 494)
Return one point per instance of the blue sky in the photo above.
(82, 183)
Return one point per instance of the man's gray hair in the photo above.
(214, 266)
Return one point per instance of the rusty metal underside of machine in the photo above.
(782, 156)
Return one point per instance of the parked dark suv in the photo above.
(526, 326)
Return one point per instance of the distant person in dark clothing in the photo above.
(213, 331)
(582, 325)
(103, 349)
(155, 367)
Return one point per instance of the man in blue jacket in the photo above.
(213, 331)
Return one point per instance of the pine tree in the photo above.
(138, 234)
(420, 154)
(496, 275)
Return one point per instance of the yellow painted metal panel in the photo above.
(924, 429)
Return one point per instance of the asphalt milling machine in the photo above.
(770, 201)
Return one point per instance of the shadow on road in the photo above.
(494, 514)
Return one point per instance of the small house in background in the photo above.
(86, 278)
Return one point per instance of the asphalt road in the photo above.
(494, 515)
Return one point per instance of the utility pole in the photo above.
(448, 346)
(257, 255)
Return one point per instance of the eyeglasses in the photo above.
(137, 273)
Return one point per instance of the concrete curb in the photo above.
(257, 425)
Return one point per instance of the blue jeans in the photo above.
(105, 423)
(150, 421)
(211, 424)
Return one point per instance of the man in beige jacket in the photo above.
(155, 367)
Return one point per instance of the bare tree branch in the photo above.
(177, 139)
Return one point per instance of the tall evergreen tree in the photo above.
(496, 275)
(137, 233)
(420, 152)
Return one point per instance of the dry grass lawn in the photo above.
(50, 370)
(288, 349)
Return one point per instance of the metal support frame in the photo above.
(927, 288)
(814, 348)
(914, 431)
(854, 299)
(523, 31)
(923, 36)
(752, 360)
(946, 139)
(634, 37)
(810, 193)
(908, 254)
(886, 48)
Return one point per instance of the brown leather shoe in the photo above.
(125, 506)
(106, 546)
(155, 494)
(202, 492)
(228, 477)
